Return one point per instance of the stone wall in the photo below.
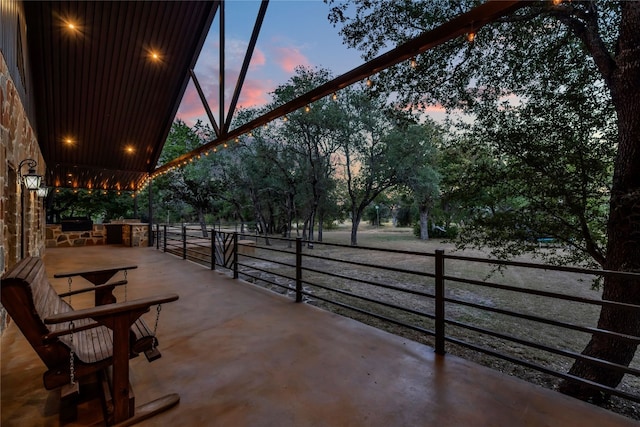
(17, 142)
(56, 238)
(140, 234)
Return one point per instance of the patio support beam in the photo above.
(221, 80)
(150, 236)
(458, 26)
(245, 65)
(205, 104)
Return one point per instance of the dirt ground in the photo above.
(388, 237)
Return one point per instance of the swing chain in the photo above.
(72, 372)
(69, 280)
(125, 286)
(155, 327)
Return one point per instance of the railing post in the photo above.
(298, 269)
(439, 301)
(213, 247)
(235, 255)
(164, 240)
(184, 242)
(157, 236)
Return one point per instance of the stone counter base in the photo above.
(132, 235)
(56, 238)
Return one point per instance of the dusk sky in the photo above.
(293, 33)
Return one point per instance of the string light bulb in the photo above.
(307, 108)
(413, 62)
(369, 82)
(334, 96)
(471, 36)
(285, 118)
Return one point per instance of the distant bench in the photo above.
(545, 240)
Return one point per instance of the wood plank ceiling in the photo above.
(104, 105)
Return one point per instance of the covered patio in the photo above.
(239, 355)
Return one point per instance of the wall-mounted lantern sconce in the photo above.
(31, 180)
(43, 190)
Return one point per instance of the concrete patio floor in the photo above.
(239, 355)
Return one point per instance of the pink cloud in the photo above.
(191, 108)
(255, 93)
(288, 58)
(258, 59)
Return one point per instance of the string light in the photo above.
(307, 108)
(471, 36)
(369, 82)
(285, 118)
(413, 62)
(334, 96)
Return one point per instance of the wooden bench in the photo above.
(143, 340)
(103, 336)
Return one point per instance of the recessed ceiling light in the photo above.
(71, 26)
(154, 55)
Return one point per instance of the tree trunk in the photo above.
(355, 222)
(203, 224)
(320, 225)
(312, 218)
(424, 223)
(623, 228)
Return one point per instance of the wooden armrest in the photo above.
(110, 310)
(99, 271)
(94, 288)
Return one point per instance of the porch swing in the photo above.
(77, 345)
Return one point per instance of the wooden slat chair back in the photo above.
(29, 298)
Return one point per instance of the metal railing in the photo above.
(434, 297)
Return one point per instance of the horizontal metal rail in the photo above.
(373, 292)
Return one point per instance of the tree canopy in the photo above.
(553, 94)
